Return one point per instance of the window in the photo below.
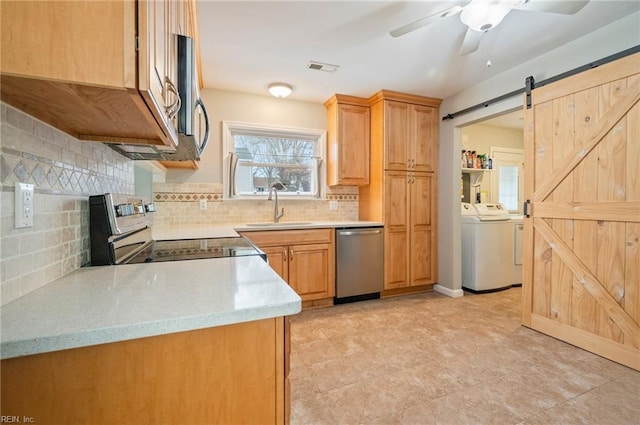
(507, 180)
(261, 157)
(508, 186)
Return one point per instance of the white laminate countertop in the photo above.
(232, 229)
(97, 305)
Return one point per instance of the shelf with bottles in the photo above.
(477, 170)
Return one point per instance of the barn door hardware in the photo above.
(525, 208)
(527, 90)
(530, 84)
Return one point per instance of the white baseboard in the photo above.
(453, 293)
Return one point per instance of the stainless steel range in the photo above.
(120, 232)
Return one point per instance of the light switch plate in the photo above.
(203, 204)
(24, 205)
(333, 205)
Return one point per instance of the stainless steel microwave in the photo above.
(193, 123)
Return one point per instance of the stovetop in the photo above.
(194, 249)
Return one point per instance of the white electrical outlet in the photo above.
(203, 204)
(333, 205)
(24, 205)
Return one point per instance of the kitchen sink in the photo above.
(283, 224)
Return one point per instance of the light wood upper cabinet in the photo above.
(411, 135)
(348, 141)
(424, 138)
(305, 259)
(98, 70)
(397, 132)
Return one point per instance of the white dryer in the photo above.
(518, 248)
(487, 247)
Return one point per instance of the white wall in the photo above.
(233, 106)
(613, 38)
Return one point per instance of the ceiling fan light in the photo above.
(483, 15)
(280, 89)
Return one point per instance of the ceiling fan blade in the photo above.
(425, 21)
(471, 42)
(565, 7)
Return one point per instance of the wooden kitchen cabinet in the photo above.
(233, 374)
(348, 141)
(410, 135)
(410, 229)
(100, 71)
(403, 187)
(305, 259)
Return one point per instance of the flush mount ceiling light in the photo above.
(280, 89)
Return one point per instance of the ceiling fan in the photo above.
(482, 15)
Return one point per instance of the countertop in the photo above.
(97, 305)
(232, 229)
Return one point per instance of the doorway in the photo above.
(501, 138)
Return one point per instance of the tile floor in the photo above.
(429, 359)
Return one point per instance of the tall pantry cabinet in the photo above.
(403, 187)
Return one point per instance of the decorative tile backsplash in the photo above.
(65, 171)
(179, 205)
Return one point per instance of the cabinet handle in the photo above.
(172, 110)
(291, 254)
(285, 255)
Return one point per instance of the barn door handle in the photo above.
(525, 208)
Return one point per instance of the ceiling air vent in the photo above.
(319, 66)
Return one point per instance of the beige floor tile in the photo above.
(428, 359)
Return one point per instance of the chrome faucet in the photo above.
(276, 214)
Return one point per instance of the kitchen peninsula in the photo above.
(178, 342)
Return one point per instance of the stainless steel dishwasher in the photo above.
(359, 264)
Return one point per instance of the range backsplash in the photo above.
(179, 205)
(65, 171)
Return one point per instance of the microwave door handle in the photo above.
(205, 139)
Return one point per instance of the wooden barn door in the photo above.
(582, 252)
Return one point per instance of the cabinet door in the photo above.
(396, 245)
(353, 145)
(157, 62)
(396, 135)
(311, 271)
(84, 42)
(424, 128)
(421, 187)
(278, 257)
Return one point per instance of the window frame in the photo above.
(496, 151)
(230, 128)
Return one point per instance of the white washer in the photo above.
(517, 249)
(487, 247)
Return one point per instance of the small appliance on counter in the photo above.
(120, 233)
